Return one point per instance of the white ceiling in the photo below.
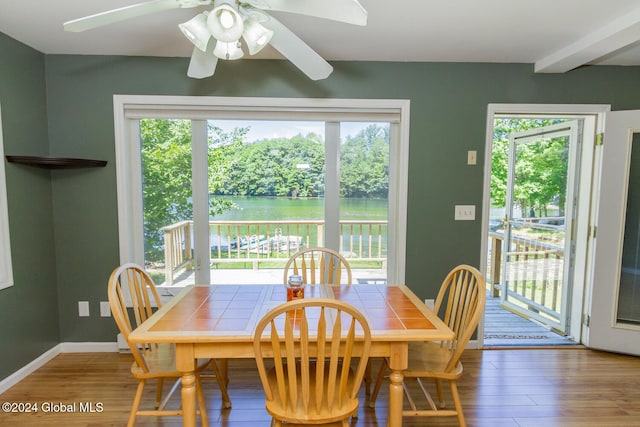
(555, 35)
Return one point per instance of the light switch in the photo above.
(465, 213)
(472, 157)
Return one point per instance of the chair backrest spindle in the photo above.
(318, 266)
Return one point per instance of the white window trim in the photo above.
(6, 270)
(129, 108)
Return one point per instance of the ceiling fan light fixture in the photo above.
(196, 31)
(216, 34)
(256, 35)
(225, 23)
(228, 50)
(227, 20)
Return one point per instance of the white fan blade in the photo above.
(349, 11)
(297, 51)
(203, 64)
(121, 14)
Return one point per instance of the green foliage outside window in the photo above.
(541, 171)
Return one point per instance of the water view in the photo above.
(296, 209)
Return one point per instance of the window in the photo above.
(202, 237)
(6, 273)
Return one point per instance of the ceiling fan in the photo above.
(217, 33)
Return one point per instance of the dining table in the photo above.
(218, 321)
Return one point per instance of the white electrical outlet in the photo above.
(105, 310)
(430, 303)
(472, 157)
(465, 213)
(83, 308)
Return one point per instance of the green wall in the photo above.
(29, 309)
(448, 117)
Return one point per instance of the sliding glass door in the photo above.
(228, 197)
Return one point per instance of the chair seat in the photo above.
(162, 363)
(277, 409)
(428, 359)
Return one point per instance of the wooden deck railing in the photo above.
(257, 242)
(178, 252)
(535, 273)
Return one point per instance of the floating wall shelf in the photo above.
(56, 162)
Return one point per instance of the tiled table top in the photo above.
(234, 310)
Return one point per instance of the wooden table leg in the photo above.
(395, 399)
(398, 361)
(185, 363)
(188, 399)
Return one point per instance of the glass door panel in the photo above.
(629, 292)
(364, 198)
(266, 186)
(166, 192)
(539, 218)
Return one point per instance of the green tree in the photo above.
(166, 175)
(167, 179)
(294, 167)
(364, 163)
(276, 167)
(540, 174)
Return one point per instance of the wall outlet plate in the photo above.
(430, 303)
(83, 308)
(105, 310)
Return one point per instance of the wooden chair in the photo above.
(318, 266)
(460, 302)
(151, 361)
(323, 266)
(313, 343)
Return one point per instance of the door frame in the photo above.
(588, 177)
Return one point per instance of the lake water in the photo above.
(287, 208)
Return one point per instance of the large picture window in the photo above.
(208, 185)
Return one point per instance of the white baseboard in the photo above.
(89, 347)
(28, 369)
(69, 347)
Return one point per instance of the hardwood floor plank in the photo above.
(567, 387)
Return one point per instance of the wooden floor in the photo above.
(514, 387)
